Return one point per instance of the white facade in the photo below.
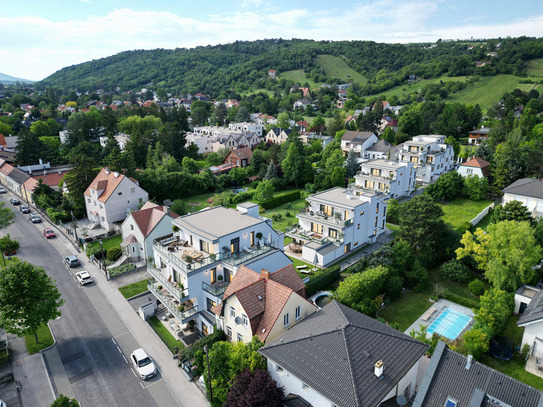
(143, 249)
(278, 135)
(359, 146)
(395, 179)
(430, 156)
(257, 128)
(466, 171)
(534, 204)
(338, 221)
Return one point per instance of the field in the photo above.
(459, 211)
(406, 89)
(336, 68)
(535, 67)
(298, 76)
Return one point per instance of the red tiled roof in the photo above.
(476, 162)
(148, 217)
(52, 179)
(3, 141)
(6, 169)
(106, 182)
(30, 184)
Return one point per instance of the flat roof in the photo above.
(339, 196)
(394, 165)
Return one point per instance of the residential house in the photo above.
(121, 138)
(263, 119)
(475, 137)
(358, 141)
(529, 305)
(214, 138)
(249, 127)
(263, 304)
(307, 138)
(475, 166)
(430, 155)
(3, 143)
(456, 380)
(111, 196)
(529, 191)
(380, 150)
(13, 179)
(388, 122)
(301, 104)
(337, 221)
(302, 126)
(343, 86)
(385, 104)
(141, 228)
(240, 157)
(272, 73)
(194, 265)
(338, 357)
(278, 135)
(393, 178)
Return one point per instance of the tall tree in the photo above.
(256, 389)
(7, 216)
(29, 298)
(29, 148)
(351, 164)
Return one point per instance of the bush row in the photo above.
(125, 268)
(460, 300)
(322, 279)
(280, 200)
(196, 350)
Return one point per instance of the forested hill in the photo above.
(240, 65)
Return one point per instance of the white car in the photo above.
(84, 277)
(143, 364)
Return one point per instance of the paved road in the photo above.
(89, 361)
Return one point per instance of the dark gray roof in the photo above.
(534, 310)
(526, 187)
(382, 145)
(294, 400)
(483, 130)
(478, 386)
(356, 136)
(18, 176)
(334, 351)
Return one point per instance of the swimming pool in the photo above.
(449, 323)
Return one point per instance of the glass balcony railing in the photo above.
(215, 289)
(297, 232)
(321, 217)
(173, 306)
(180, 294)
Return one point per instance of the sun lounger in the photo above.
(428, 313)
(301, 267)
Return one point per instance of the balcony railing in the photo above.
(184, 265)
(375, 190)
(297, 232)
(172, 306)
(177, 292)
(323, 218)
(372, 176)
(215, 289)
(235, 259)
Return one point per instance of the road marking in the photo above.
(120, 351)
(142, 386)
(134, 373)
(113, 339)
(124, 333)
(126, 360)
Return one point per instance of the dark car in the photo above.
(34, 218)
(24, 209)
(15, 201)
(49, 233)
(72, 260)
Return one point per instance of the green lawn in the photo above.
(130, 290)
(288, 212)
(198, 202)
(298, 76)
(45, 339)
(108, 243)
(337, 68)
(165, 334)
(534, 67)
(462, 210)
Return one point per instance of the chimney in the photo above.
(265, 274)
(107, 170)
(379, 365)
(116, 174)
(468, 362)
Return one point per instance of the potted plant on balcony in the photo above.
(188, 259)
(258, 236)
(212, 256)
(225, 249)
(181, 308)
(175, 228)
(220, 278)
(159, 288)
(191, 325)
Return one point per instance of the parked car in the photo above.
(84, 277)
(15, 201)
(34, 218)
(72, 260)
(24, 209)
(2, 190)
(143, 364)
(49, 233)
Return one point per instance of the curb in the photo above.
(45, 365)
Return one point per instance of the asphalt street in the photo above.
(90, 358)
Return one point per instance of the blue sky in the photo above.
(40, 37)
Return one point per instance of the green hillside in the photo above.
(298, 76)
(337, 68)
(408, 88)
(535, 67)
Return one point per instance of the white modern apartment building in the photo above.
(209, 140)
(257, 128)
(392, 178)
(359, 142)
(430, 156)
(337, 221)
(194, 265)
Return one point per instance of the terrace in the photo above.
(297, 232)
(176, 290)
(216, 289)
(182, 310)
(322, 217)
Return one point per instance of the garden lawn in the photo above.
(45, 339)
(130, 290)
(197, 202)
(108, 243)
(165, 334)
(288, 212)
(462, 210)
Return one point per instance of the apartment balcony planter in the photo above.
(320, 217)
(179, 293)
(296, 232)
(171, 304)
(216, 289)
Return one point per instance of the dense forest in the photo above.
(242, 64)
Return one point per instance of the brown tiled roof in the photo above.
(30, 184)
(148, 217)
(244, 152)
(6, 169)
(288, 277)
(106, 182)
(476, 162)
(3, 141)
(52, 179)
(276, 296)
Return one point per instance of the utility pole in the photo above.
(208, 374)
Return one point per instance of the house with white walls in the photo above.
(337, 221)
(257, 128)
(111, 196)
(476, 166)
(338, 357)
(264, 304)
(359, 142)
(529, 305)
(278, 135)
(528, 191)
(392, 178)
(430, 155)
(140, 228)
(194, 265)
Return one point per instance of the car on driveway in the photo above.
(34, 218)
(24, 209)
(143, 364)
(15, 201)
(49, 233)
(84, 277)
(2, 190)
(72, 260)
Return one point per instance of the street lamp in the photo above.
(208, 374)
(74, 226)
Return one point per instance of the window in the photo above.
(376, 220)
(229, 332)
(120, 193)
(332, 233)
(355, 243)
(361, 213)
(450, 402)
(305, 386)
(131, 227)
(317, 228)
(245, 319)
(240, 337)
(232, 312)
(132, 190)
(286, 319)
(358, 226)
(377, 209)
(298, 312)
(141, 200)
(88, 200)
(101, 206)
(279, 369)
(469, 171)
(103, 219)
(210, 303)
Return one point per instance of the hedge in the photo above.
(94, 250)
(242, 197)
(280, 199)
(196, 350)
(125, 268)
(113, 253)
(322, 279)
(466, 302)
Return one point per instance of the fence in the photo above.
(483, 213)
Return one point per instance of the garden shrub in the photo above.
(280, 199)
(95, 251)
(113, 253)
(477, 287)
(322, 279)
(454, 270)
(55, 215)
(196, 350)
(9, 246)
(125, 268)
(460, 300)
(242, 197)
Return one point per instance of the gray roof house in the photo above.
(529, 191)
(529, 304)
(340, 357)
(455, 380)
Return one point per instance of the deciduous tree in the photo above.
(256, 389)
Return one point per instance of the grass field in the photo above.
(337, 68)
(298, 76)
(108, 243)
(463, 210)
(45, 339)
(130, 290)
(406, 89)
(165, 334)
(535, 67)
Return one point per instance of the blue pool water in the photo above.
(449, 324)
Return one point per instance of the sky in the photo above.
(39, 37)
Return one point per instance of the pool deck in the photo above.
(434, 310)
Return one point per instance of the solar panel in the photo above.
(450, 403)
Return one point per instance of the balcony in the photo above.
(374, 190)
(172, 304)
(236, 259)
(321, 217)
(216, 289)
(178, 293)
(297, 232)
(371, 176)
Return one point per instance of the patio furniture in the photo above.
(174, 326)
(301, 267)
(428, 313)
(539, 364)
